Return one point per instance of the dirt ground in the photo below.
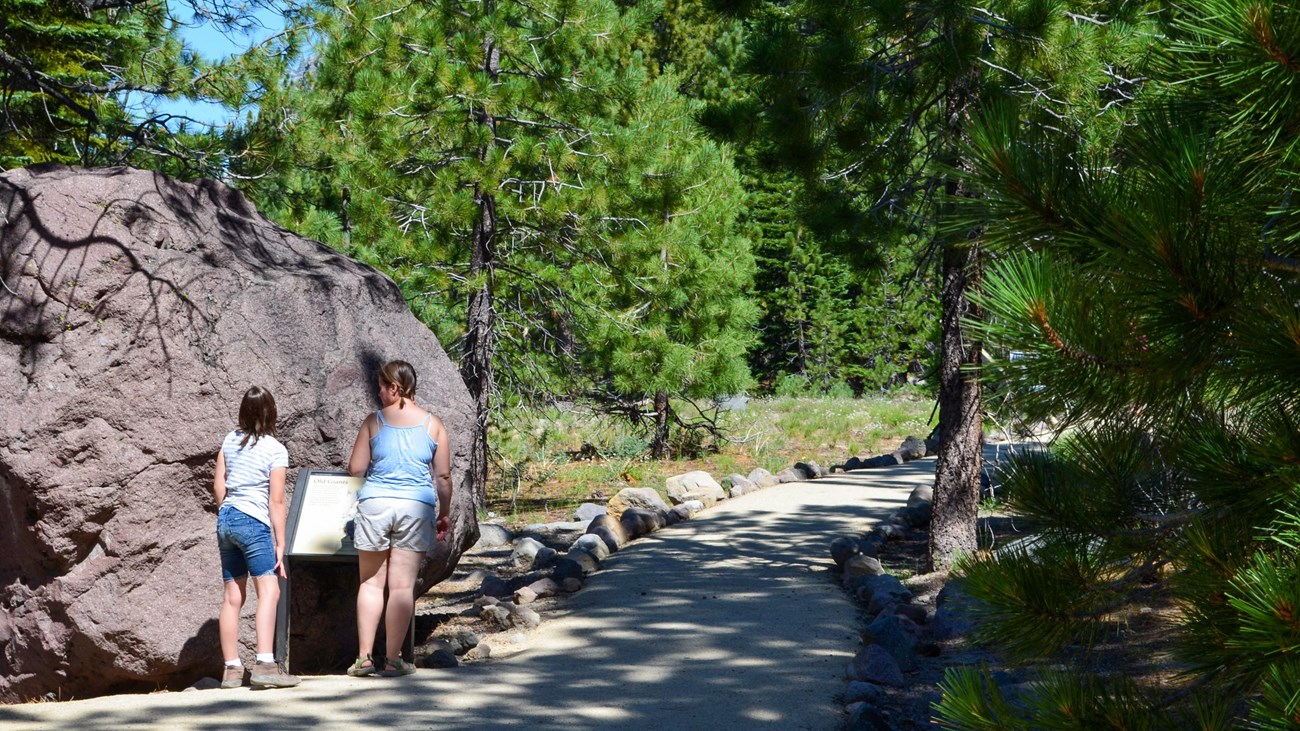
(448, 609)
(1140, 645)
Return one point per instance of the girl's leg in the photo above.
(228, 619)
(403, 568)
(370, 598)
(268, 596)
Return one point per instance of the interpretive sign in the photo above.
(319, 528)
(323, 505)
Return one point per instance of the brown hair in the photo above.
(256, 414)
(399, 373)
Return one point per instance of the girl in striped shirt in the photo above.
(249, 487)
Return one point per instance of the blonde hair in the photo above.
(399, 373)
(256, 414)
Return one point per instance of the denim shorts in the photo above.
(246, 545)
(388, 522)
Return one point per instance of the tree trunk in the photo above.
(659, 446)
(957, 473)
(476, 368)
(961, 419)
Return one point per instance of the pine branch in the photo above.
(1279, 263)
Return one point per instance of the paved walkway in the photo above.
(727, 621)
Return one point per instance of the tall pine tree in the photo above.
(676, 320)
(872, 102)
(488, 155)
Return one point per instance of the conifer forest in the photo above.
(1075, 211)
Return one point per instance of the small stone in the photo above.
(525, 617)
(912, 448)
(462, 641)
(609, 530)
(920, 494)
(544, 588)
(496, 615)
(525, 596)
(844, 548)
(433, 646)
(912, 612)
(859, 690)
(491, 535)
(589, 511)
(571, 585)
(525, 551)
(890, 532)
(587, 561)
(545, 557)
(874, 664)
(866, 717)
(861, 565)
(593, 545)
(737, 485)
(789, 475)
(638, 522)
(494, 586)
(762, 478)
(439, 659)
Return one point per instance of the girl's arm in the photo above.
(441, 470)
(359, 463)
(278, 518)
(219, 479)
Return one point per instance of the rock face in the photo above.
(135, 312)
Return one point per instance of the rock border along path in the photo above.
(730, 620)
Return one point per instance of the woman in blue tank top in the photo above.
(402, 509)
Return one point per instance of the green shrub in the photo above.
(839, 390)
(791, 385)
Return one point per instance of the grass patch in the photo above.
(546, 462)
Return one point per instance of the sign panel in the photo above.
(320, 517)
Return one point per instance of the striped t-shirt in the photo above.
(248, 473)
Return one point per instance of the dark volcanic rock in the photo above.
(135, 312)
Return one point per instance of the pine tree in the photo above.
(864, 99)
(871, 102)
(488, 155)
(1153, 281)
(81, 81)
(677, 319)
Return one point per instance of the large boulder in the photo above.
(136, 312)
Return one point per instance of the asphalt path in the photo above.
(731, 620)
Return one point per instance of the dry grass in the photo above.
(546, 463)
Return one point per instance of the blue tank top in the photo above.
(400, 457)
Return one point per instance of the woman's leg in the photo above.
(403, 568)
(228, 619)
(268, 596)
(370, 598)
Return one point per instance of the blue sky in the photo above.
(213, 44)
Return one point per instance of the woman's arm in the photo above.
(441, 470)
(359, 462)
(219, 478)
(278, 518)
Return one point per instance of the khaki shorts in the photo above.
(389, 522)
